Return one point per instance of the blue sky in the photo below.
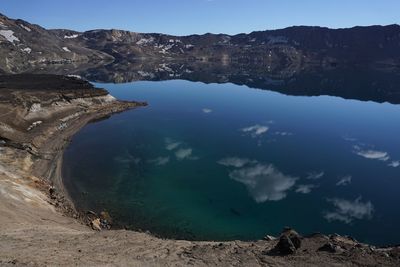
(182, 17)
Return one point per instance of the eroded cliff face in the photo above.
(39, 113)
(30, 107)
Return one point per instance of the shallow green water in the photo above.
(221, 162)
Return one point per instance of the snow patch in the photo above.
(164, 67)
(71, 36)
(25, 28)
(174, 41)
(35, 107)
(27, 50)
(9, 35)
(75, 76)
(146, 74)
(34, 125)
(145, 41)
(66, 49)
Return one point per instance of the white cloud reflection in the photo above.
(171, 144)
(371, 154)
(183, 153)
(284, 133)
(345, 180)
(305, 188)
(160, 161)
(315, 175)
(264, 182)
(127, 158)
(394, 164)
(235, 162)
(255, 130)
(206, 110)
(347, 210)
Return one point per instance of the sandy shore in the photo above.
(39, 227)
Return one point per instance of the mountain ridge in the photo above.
(26, 47)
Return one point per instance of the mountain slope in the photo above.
(26, 47)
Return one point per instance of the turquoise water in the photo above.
(223, 162)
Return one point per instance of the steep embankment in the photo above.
(39, 114)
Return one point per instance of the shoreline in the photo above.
(42, 227)
(51, 170)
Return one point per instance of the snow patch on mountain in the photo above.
(71, 36)
(145, 41)
(146, 74)
(9, 35)
(66, 49)
(25, 28)
(27, 50)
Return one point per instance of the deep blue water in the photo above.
(221, 162)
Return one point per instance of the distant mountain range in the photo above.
(26, 47)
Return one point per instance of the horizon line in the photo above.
(213, 33)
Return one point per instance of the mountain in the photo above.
(25, 47)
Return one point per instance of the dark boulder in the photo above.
(288, 243)
(285, 246)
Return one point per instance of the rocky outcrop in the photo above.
(288, 243)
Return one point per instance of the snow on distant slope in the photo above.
(66, 49)
(71, 36)
(9, 35)
(144, 41)
(27, 50)
(25, 28)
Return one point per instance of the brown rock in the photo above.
(96, 224)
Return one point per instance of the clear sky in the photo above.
(183, 17)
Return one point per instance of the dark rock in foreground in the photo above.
(288, 243)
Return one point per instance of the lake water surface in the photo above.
(223, 162)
